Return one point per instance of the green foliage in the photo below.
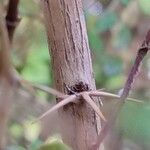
(106, 21)
(35, 144)
(36, 68)
(112, 66)
(115, 82)
(123, 38)
(15, 147)
(110, 74)
(28, 8)
(134, 122)
(16, 130)
(31, 131)
(125, 2)
(54, 144)
(145, 6)
(95, 42)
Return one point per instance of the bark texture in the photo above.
(71, 61)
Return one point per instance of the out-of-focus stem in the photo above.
(12, 18)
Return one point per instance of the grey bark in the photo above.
(71, 61)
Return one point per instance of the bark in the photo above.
(71, 61)
(6, 83)
(6, 94)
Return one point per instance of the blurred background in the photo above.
(116, 29)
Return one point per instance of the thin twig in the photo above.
(58, 94)
(73, 98)
(49, 90)
(32, 86)
(128, 85)
(69, 99)
(7, 34)
(88, 99)
(110, 95)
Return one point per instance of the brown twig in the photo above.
(6, 88)
(85, 96)
(31, 86)
(96, 93)
(110, 95)
(65, 99)
(49, 90)
(12, 18)
(4, 50)
(73, 98)
(62, 103)
(139, 58)
(11, 23)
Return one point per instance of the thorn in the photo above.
(88, 99)
(56, 107)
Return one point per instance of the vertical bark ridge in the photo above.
(71, 61)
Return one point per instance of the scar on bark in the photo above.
(75, 89)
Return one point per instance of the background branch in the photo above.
(6, 89)
(128, 85)
(12, 18)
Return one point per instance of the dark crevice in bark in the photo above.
(12, 18)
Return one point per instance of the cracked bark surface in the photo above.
(71, 61)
